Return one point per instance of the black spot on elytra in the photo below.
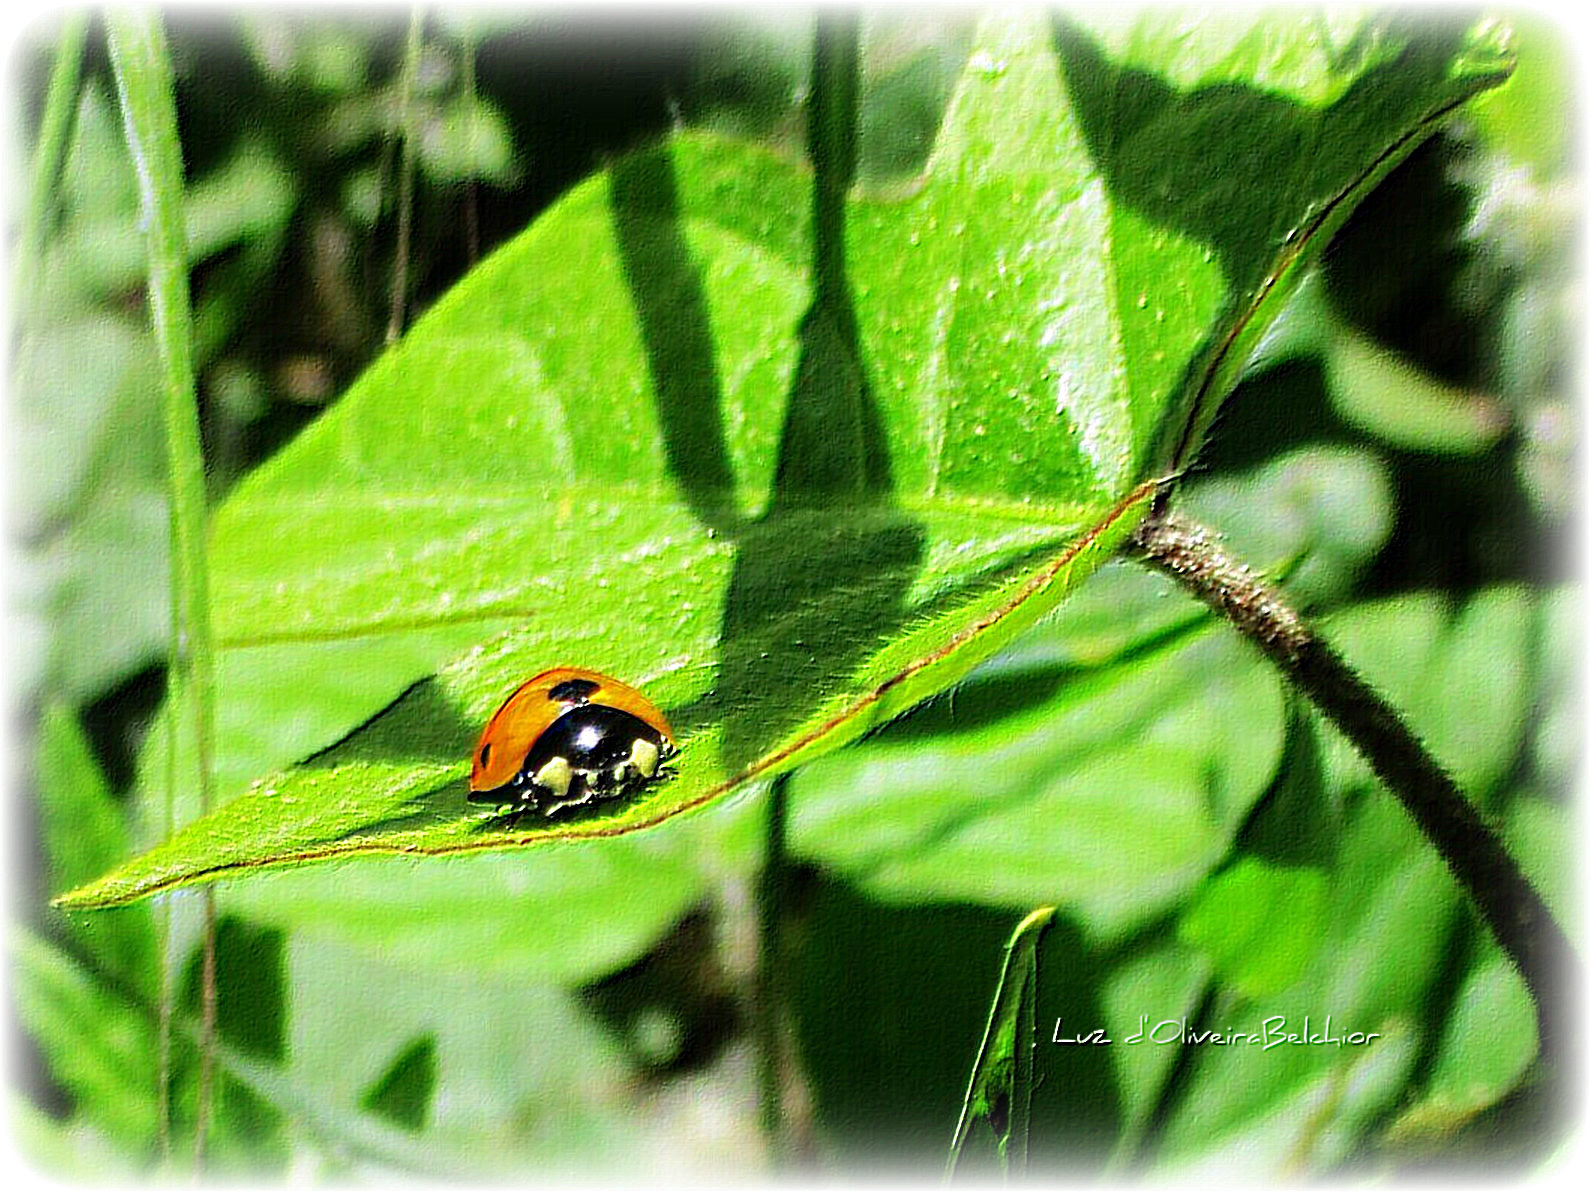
(573, 691)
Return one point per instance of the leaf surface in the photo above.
(634, 439)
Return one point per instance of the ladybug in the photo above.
(568, 738)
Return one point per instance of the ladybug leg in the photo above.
(509, 818)
(581, 791)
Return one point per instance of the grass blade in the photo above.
(1000, 1090)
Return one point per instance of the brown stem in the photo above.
(1472, 849)
(207, 1023)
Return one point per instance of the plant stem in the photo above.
(831, 145)
(405, 201)
(1473, 850)
(49, 154)
(768, 984)
(143, 82)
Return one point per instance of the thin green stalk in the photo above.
(400, 263)
(167, 991)
(769, 987)
(471, 185)
(831, 145)
(143, 82)
(830, 141)
(55, 130)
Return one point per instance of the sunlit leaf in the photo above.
(630, 440)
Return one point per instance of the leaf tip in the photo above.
(91, 896)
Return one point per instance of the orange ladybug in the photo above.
(567, 738)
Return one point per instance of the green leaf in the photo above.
(1383, 945)
(1389, 398)
(1258, 923)
(65, 1149)
(1000, 1092)
(97, 1045)
(403, 1094)
(505, 1049)
(83, 833)
(81, 824)
(574, 915)
(630, 441)
(1109, 787)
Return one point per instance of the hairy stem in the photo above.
(1472, 849)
